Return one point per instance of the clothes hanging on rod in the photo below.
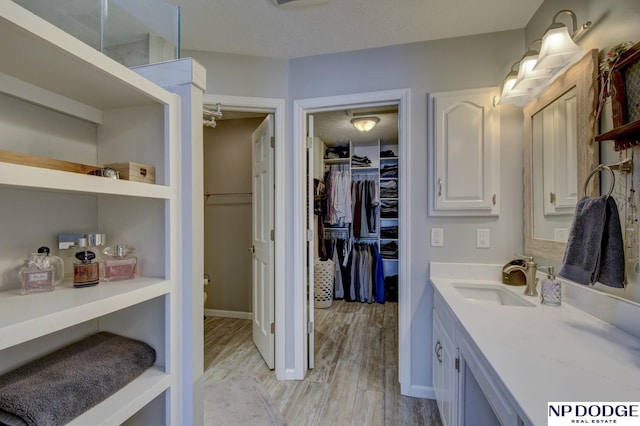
(337, 202)
(365, 195)
(365, 278)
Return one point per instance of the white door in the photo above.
(263, 246)
(310, 245)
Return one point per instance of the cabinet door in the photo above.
(445, 372)
(464, 134)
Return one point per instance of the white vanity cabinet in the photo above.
(466, 391)
(62, 100)
(464, 139)
(445, 371)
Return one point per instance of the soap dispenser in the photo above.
(551, 289)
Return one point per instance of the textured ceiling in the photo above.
(334, 127)
(258, 27)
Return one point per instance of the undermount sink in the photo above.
(493, 294)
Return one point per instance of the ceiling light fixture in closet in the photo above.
(364, 124)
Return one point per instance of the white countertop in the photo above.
(543, 353)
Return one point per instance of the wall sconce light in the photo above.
(528, 76)
(364, 124)
(558, 46)
(558, 51)
(510, 94)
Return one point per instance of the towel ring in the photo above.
(593, 172)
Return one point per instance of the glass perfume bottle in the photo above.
(96, 243)
(41, 273)
(86, 273)
(119, 263)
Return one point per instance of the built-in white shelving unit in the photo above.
(61, 99)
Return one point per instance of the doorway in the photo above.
(303, 295)
(237, 200)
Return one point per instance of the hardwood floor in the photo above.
(355, 379)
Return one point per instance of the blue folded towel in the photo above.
(595, 251)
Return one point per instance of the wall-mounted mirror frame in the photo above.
(583, 76)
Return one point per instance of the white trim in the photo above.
(277, 107)
(301, 107)
(418, 391)
(228, 314)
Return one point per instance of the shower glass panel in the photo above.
(133, 32)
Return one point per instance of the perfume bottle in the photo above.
(119, 263)
(96, 243)
(86, 273)
(42, 272)
(67, 247)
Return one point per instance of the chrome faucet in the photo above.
(529, 271)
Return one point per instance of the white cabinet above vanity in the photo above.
(515, 355)
(464, 139)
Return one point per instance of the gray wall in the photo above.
(450, 64)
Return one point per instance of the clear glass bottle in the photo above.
(119, 263)
(41, 273)
(551, 289)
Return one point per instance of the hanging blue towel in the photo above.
(595, 251)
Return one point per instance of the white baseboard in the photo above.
(228, 314)
(418, 391)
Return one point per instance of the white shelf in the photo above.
(48, 58)
(127, 401)
(26, 317)
(337, 160)
(17, 175)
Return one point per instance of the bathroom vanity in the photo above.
(500, 357)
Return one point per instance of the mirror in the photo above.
(559, 154)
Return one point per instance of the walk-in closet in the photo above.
(356, 206)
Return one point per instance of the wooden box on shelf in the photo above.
(625, 100)
(135, 172)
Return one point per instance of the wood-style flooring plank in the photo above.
(355, 381)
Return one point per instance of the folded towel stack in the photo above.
(595, 250)
(58, 387)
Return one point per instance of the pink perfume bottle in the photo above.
(42, 272)
(119, 263)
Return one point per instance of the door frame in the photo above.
(302, 107)
(275, 106)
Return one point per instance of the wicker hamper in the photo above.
(323, 271)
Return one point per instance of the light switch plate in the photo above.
(483, 238)
(437, 237)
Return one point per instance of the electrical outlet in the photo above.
(483, 238)
(437, 237)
